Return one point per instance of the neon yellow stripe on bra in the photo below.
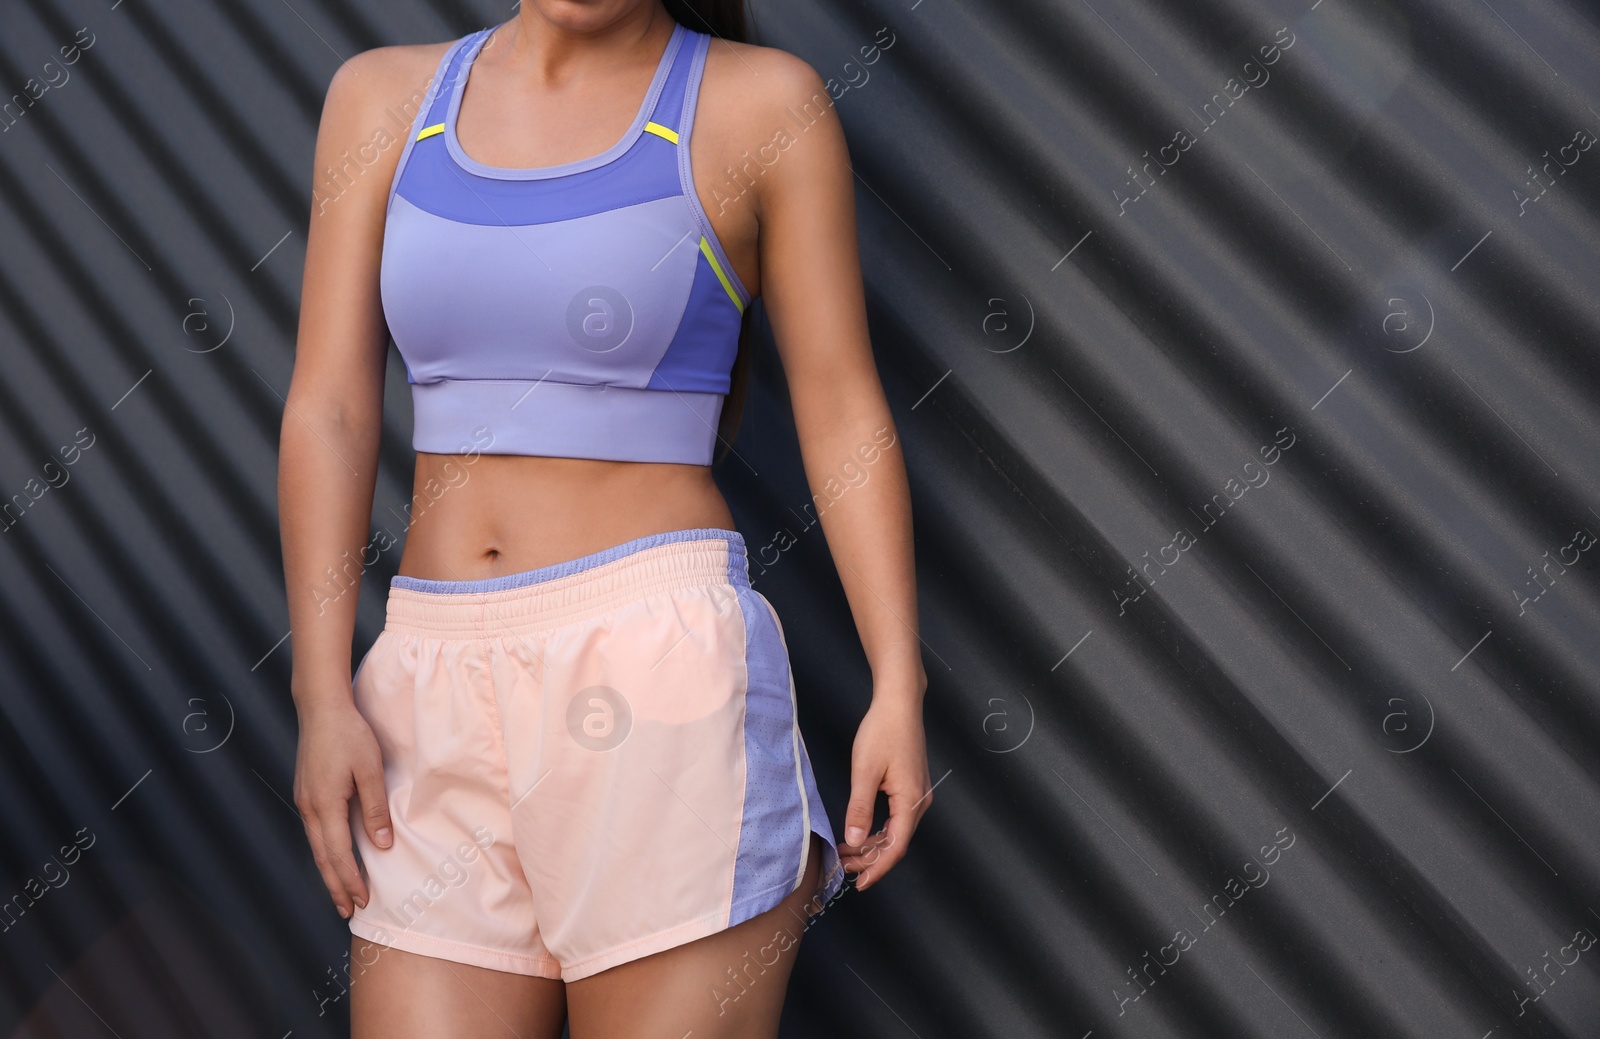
(431, 130)
(662, 131)
(705, 247)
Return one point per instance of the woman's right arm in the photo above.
(328, 453)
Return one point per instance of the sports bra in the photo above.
(584, 310)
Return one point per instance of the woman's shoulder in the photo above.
(762, 78)
(752, 96)
(375, 79)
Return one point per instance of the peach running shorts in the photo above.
(586, 763)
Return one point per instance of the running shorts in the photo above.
(586, 763)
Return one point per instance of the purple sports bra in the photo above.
(584, 310)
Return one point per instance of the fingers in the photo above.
(857, 858)
(865, 781)
(873, 857)
(870, 863)
(319, 855)
(892, 846)
(327, 826)
(340, 795)
(374, 806)
(336, 834)
(320, 822)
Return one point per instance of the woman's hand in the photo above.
(338, 758)
(891, 755)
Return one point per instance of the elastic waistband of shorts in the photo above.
(549, 596)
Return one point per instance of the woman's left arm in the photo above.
(810, 271)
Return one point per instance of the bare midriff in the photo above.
(489, 515)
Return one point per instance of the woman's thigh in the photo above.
(726, 985)
(401, 995)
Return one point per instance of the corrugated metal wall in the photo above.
(1244, 354)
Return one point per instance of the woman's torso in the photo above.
(501, 514)
(479, 514)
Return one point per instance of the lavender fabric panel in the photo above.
(434, 182)
(832, 868)
(564, 420)
(593, 300)
(771, 832)
(700, 356)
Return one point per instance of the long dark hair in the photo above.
(725, 19)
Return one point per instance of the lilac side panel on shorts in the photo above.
(780, 792)
(774, 815)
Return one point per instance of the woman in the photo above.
(566, 778)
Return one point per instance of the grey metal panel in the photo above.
(1350, 250)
